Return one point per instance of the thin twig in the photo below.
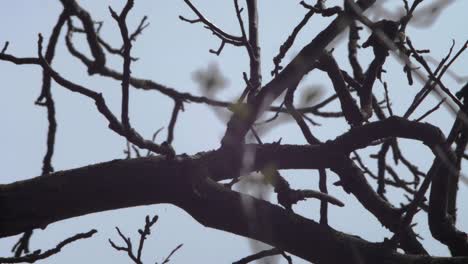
(225, 37)
(262, 254)
(323, 204)
(244, 35)
(430, 111)
(37, 255)
(168, 258)
(178, 106)
(130, 134)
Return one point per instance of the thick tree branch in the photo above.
(191, 182)
(125, 183)
(144, 182)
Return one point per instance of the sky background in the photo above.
(170, 51)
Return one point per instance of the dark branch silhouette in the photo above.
(194, 182)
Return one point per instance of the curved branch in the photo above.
(220, 164)
(38, 255)
(125, 183)
(91, 36)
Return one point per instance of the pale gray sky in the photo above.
(170, 51)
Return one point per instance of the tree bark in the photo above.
(182, 182)
(189, 182)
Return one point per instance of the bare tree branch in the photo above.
(38, 255)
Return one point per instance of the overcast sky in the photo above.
(170, 51)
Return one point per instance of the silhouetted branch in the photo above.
(37, 255)
(352, 48)
(107, 46)
(127, 45)
(178, 106)
(255, 60)
(191, 182)
(145, 84)
(435, 80)
(225, 37)
(304, 62)
(114, 124)
(22, 245)
(127, 248)
(88, 25)
(5, 47)
(387, 99)
(289, 42)
(144, 233)
(263, 254)
(430, 111)
(45, 99)
(245, 41)
(168, 258)
(350, 109)
(323, 204)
